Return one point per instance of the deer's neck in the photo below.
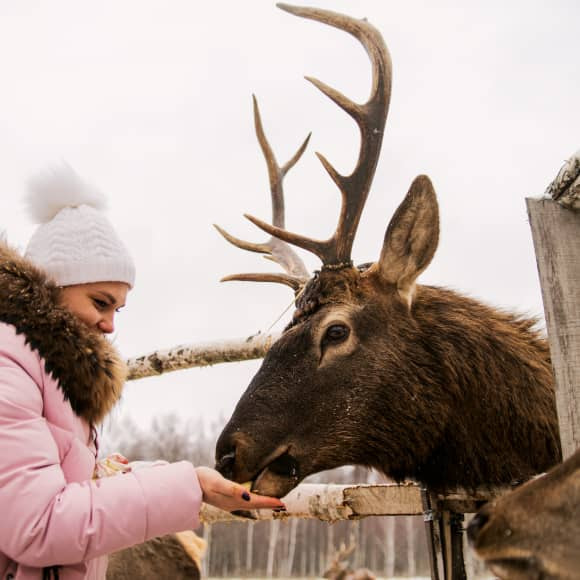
(495, 367)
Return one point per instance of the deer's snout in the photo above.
(234, 457)
(225, 464)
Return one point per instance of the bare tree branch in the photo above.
(200, 355)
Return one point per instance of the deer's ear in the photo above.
(411, 238)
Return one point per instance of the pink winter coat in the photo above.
(52, 513)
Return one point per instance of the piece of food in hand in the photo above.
(118, 458)
(247, 485)
(111, 465)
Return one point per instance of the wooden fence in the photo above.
(556, 233)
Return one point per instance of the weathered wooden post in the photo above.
(555, 227)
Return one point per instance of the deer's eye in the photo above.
(336, 333)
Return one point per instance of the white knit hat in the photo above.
(75, 243)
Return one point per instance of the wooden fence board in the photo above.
(556, 234)
(331, 502)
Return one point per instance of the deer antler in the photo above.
(274, 249)
(337, 569)
(370, 117)
(344, 552)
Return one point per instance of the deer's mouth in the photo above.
(278, 477)
(279, 474)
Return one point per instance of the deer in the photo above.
(416, 381)
(533, 531)
(177, 556)
(340, 569)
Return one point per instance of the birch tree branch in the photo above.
(200, 355)
(331, 502)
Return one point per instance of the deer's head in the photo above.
(534, 531)
(367, 371)
(328, 359)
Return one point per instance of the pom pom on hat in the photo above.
(75, 243)
(59, 187)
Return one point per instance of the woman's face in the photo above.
(95, 304)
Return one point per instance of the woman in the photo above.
(59, 377)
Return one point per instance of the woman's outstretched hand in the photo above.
(228, 495)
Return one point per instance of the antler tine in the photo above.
(286, 279)
(370, 118)
(275, 173)
(274, 249)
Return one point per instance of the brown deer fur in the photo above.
(164, 557)
(534, 531)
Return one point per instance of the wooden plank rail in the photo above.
(332, 503)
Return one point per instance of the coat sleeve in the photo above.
(43, 520)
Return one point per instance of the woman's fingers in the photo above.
(228, 495)
(253, 500)
(256, 501)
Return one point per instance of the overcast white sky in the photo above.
(151, 102)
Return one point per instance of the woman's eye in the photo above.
(336, 333)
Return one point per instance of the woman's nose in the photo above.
(107, 325)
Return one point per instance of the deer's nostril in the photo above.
(225, 464)
(475, 525)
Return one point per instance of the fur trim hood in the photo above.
(89, 370)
